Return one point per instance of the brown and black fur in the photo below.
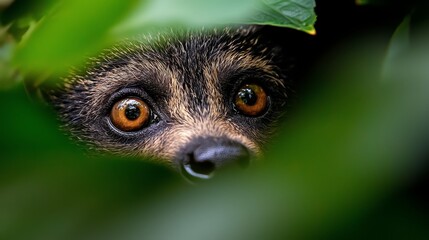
(189, 80)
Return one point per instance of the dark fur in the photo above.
(189, 80)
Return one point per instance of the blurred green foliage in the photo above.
(65, 35)
(72, 29)
(356, 139)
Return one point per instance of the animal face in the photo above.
(197, 100)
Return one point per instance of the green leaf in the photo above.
(297, 14)
(75, 29)
(187, 13)
(398, 46)
(9, 75)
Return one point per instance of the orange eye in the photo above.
(130, 114)
(251, 100)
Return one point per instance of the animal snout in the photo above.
(204, 157)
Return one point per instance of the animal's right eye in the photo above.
(130, 114)
(251, 100)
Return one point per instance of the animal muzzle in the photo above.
(202, 158)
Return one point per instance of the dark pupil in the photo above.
(248, 96)
(132, 112)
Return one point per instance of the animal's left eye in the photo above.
(251, 100)
(130, 114)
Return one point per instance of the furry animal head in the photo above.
(192, 99)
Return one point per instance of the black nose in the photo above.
(209, 155)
